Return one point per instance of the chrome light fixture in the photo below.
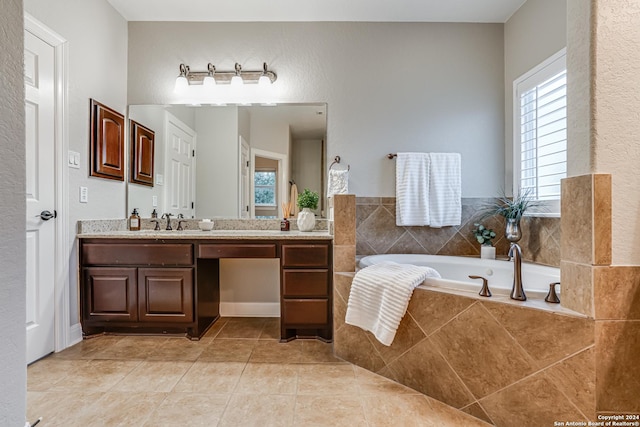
(213, 77)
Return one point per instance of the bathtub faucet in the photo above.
(515, 254)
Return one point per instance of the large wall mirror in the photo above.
(231, 161)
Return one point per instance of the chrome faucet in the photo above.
(517, 291)
(180, 221)
(168, 217)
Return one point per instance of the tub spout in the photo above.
(517, 291)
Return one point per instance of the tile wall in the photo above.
(377, 233)
(502, 363)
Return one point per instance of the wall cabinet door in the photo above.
(165, 295)
(110, 294)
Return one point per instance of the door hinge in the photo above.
(193, 153)
(192, 205)
(247, 163)
(247, 208)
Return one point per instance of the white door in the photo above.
(245, 175)
(180, 168)
(40, 194)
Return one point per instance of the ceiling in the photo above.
(318, 10)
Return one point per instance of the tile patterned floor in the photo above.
(237, 375)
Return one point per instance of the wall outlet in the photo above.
(154, 201)
(84, 195)
(159, 179)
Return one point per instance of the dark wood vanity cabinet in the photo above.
(172, 286)
(305, 293)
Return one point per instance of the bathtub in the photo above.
(455, 272)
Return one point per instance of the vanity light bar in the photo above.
(224, 77)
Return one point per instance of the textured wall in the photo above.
(377, 233)
(12, 245)
(534, 33)
(616, 120)
(388, 86)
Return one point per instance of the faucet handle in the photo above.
(484, 292)
(180, 221)
(552, 296)
(157, 226)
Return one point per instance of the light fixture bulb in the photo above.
(182, 84)
(264, 80)
(208, 82)
(236, 81)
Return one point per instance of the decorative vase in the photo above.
(306, 220)
(513, 233)
(487, 252)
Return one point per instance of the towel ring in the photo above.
(336, 160)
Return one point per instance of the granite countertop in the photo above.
(213, 234)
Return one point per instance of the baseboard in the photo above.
(250, 309)
(75, 334)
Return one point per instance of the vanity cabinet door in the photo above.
(110, 294)
(165, 295)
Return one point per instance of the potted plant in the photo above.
(307, 200)
(484, 236)
(512, 209)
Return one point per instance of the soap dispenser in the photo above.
(134, 221)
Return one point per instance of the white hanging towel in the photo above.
(412, 189)
(445, 189)
(380, 295)
(338, 182)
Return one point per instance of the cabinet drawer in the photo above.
(305, 255)
(305, 312)
(305, 283)
(238, 251)
(137, 254)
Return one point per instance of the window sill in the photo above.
(542, 215)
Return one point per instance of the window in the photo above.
(265, 187)
(540, 131)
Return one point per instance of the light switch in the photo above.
(159, 179)
(84, 195)
(74, 159)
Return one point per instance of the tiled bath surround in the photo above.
(377, 233)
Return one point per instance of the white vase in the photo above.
(487, 252)
(306, 220)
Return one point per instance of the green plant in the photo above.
(308, 199)
(484, 235)
(513, 207)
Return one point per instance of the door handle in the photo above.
(46, 215)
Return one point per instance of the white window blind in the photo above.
(540, 134)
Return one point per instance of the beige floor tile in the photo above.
(334, 411)
(87, 348)
(370, 383)
(399, 410)
(153, 375)
(268, 378)
(228, 350)
(211, 377)
(180, 349)
(59, 408)
(314, 351)
(242, 327)
(189, 409)
(271, 329)
(45, 373)
(276, 352)
(97, 375)
(327, 379)
(216, 328)
(258, 411)
(131, 347)
(446, 416)
(119, 409)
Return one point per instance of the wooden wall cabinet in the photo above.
(142, 154)
(106, 142)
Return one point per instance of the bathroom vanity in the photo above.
(169, 282)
